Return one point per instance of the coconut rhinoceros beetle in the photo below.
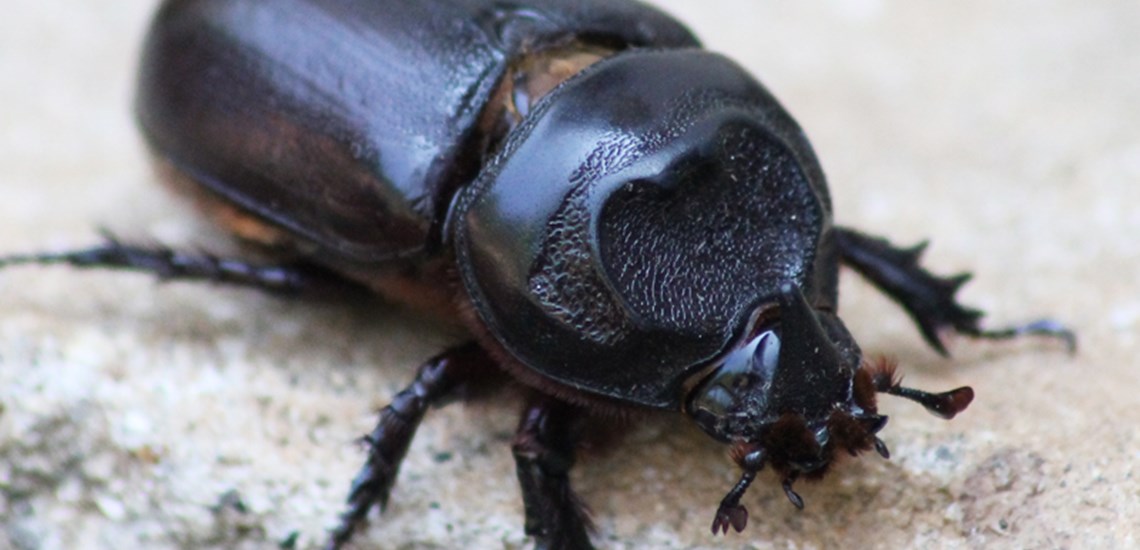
(621, 219)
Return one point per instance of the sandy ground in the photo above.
(136, 415)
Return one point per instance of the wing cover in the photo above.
(344, 121)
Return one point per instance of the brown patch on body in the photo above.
(247, 227)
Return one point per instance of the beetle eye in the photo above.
(738, 388)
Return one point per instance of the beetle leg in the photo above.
(168, 264)
(442, 377)
(731, 512)
(929, 299)
(544, 453)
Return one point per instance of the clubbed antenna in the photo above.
(943, 405)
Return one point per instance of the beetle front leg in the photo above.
(443, 377)
(544, 453)
(929, 299)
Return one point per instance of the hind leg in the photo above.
(544, 451)
(171, 265)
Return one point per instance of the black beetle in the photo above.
(621, 219)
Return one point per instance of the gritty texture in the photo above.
(137, 415)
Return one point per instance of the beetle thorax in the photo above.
(665, 213)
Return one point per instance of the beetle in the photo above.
(621, 219)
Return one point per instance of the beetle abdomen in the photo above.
(348, 122)
(312, 122)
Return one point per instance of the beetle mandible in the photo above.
(621, 219)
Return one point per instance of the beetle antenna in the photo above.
(945, 405)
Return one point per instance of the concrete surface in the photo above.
(136, 415)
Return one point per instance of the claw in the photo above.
(730, 512)
(793, 496)
(882, 449)
(735, 516)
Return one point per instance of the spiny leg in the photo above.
(929, 299)
(168, 264)
(441, 378)
(544, 453)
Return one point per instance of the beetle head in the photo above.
(782, 389)
(793, 395)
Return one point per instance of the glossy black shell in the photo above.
(630, 228)
(348, 122)
(616, 244)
